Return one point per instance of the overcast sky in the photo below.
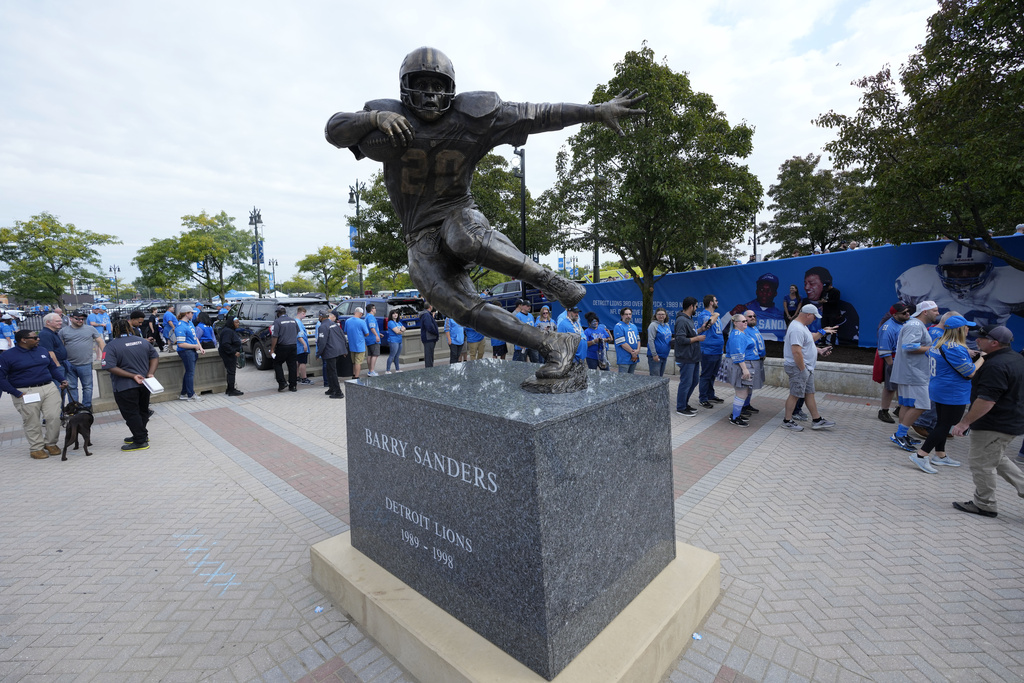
(120, 117)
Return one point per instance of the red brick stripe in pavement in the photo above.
(698, 456)
(324, 484)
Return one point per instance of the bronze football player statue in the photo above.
(430, 142)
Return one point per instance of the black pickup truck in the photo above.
(508, 293)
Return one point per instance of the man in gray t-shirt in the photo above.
(911, 372)
(799, 355)
(80, 340)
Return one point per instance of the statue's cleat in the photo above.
(567, 292)
(559, 350)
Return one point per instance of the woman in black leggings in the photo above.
(950, 387)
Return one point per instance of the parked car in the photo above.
(409, 309)
(255, 317)
(508, 293)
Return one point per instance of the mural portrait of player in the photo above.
(965, 280)
(835, 312)
(771, 321)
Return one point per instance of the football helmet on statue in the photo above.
(427, 61)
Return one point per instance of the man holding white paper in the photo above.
(28, 374)
(131, 361)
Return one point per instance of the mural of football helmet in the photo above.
(428, 61)
(962, 269)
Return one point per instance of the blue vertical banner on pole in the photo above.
(983, 289)
(352, 235)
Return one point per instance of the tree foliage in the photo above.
(671, 185)
(814, 207)
(210, 253)
(945, 156)
(381, 278)
(328, 268)
(44, 257)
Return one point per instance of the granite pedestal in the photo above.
(532, 519)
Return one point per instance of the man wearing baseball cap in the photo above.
(888, 334)
(800, 353)
(911, 372)
(995, 417)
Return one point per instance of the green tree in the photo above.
(944, 150)
(328, 267)
(813, 207)
(297, 285)
(209, 253)
(44, 257)
(672, 182)
(382, 278)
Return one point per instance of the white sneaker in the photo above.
(947, 461)
(195, 398)
(372, 374)
(792, 426)
(183, 397)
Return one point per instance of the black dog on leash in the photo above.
(79, 422)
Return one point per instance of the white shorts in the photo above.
(913, 396)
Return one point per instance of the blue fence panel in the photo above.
(870, 280)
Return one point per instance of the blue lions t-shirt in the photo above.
(948, 383)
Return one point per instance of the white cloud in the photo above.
(120, 116)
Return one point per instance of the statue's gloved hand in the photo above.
(395, 126)
(619, 106)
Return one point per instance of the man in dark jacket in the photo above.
(230, 349)
(687, 343)
(428, 335)
(331, 345)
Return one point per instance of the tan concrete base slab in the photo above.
(639, 645)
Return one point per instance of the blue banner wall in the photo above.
(983, 289)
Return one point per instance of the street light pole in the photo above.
(255, 220)
(353, 198)
(521, 174)
(596, 276)
(114, 270)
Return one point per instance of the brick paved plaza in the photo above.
(841, 561)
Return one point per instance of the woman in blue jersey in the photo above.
(395, 330)
(659, 334)
(949, 389)
(739, 350)
(188, 349)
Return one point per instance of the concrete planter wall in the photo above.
(211, 377)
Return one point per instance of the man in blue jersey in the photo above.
(570, 324)
(888, 333)
(710, 325)
(358, 334)
(627, 342)
(524, 316)
(170, 322)
(456, 337)
(755, 361)
(373, 343)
